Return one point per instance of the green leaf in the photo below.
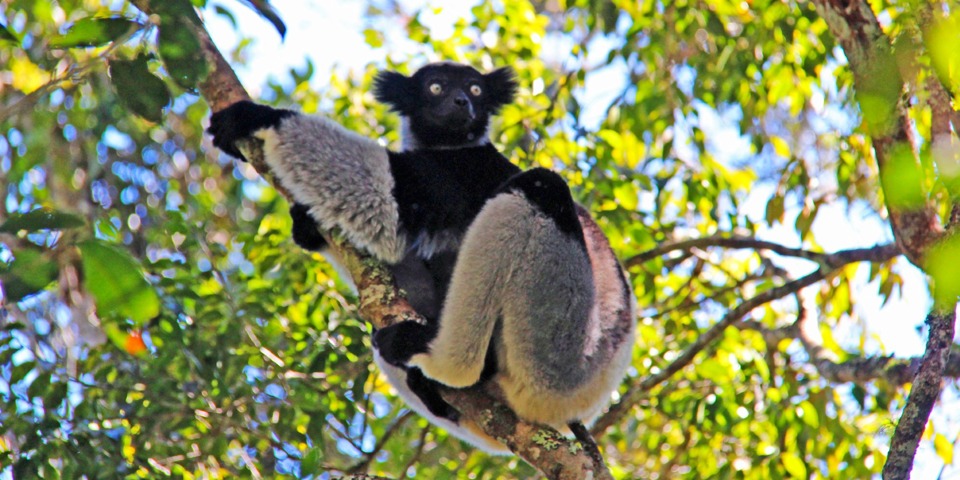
(943, 42)
(116, 282)
(805, 220)
(93, 32)
(227, 14)
(311, 461)
(266, 11)
(794, 465)
(141, 91)
(775, 209)
(180, 51)
(29, 273)
(7, 36)
(39, 385)
(626, 196)
(168, 9)
(902, 179)
(55, 395)
(877, 94)
(19, 372)
(41, 219)
(941, 265)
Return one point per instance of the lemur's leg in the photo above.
(522, 264)
(428, 392)
(306, 230)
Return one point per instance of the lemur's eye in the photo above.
(435, 88)
(475, 90)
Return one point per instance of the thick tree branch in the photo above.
(859, 370)
(923, 395)
(381, 304)
(879, 253)
(879, 88)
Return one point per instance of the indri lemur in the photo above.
(517, 282)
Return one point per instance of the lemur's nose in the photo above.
(461, 100)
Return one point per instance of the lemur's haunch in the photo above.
(517, 282)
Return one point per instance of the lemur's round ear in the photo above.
(396, 90)
(501, 87)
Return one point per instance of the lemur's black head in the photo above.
(446, 104)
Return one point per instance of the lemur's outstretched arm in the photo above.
(343, 177)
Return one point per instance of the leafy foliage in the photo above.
(93, 32)
(139, 89)
(157, 317)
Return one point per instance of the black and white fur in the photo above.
(519, 285)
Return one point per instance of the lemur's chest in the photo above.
(440, 192)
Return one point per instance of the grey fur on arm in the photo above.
(343, 177)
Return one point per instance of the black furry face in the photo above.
(447, 104)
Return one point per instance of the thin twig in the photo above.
(362, 465)
(421, 443)
(827, 259)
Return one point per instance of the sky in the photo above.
(329, 33)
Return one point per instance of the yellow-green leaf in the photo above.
(92, 32)
(944, 448)
(626, 195)
(117, 283)
(941, 265)
(809, 414)
(794, 465)
(780, 146)
(902, 179)
(943, 42)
